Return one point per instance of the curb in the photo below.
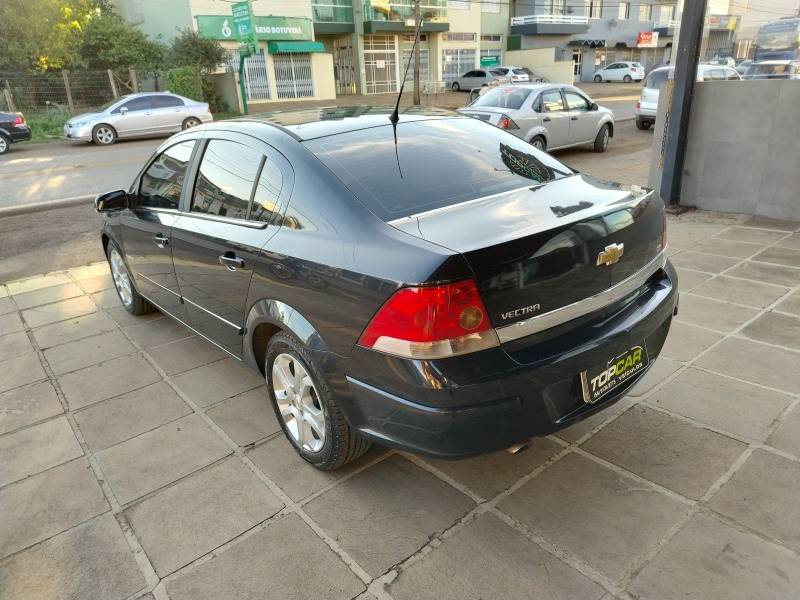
(34, 207)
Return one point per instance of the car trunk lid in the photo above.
(538, 249)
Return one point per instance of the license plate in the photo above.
(604, 378)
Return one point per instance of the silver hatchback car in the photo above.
(137, 115)
(547, 116)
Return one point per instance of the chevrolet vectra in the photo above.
(433, 284)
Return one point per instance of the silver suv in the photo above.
(137, 115)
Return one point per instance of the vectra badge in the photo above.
(610, 254)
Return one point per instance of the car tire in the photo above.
(455, 87)
(287, 358)
(627, 79)
(539, 143)
(642, 124)
(104, 135)
(601, 141)
(190, 122)
(598, 79)
(131, 300)
(5, 143)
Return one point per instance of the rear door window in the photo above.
(266, 200)
(162, 181)
(472, 159)
(656, 78)
(166, 101)
(225, 179)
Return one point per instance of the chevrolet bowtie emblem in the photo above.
(610, 254)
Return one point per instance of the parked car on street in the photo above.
(742, 65)
(475, 78)
(13, 129)
(548, 116)
(434, 284)
(137, 115)
(620, 71)
(647, 106)
(774, 69)
(522, 75)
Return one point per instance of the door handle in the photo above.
(573, 118)
(231, 262)
(547, 119)
(160, 240)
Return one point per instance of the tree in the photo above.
(190, 49)
(37, 35)
(111, 43)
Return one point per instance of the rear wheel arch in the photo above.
(268, 317)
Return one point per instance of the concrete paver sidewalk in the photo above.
(137, 461)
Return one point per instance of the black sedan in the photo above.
(436, 285)
(13, 128)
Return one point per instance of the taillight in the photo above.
(431, 322)
(19, 120)
(638, 105)
(506, 122)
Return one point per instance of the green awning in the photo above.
(284, 47)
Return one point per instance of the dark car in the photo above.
(12, 129)
(439, 286)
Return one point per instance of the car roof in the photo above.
(310, 123)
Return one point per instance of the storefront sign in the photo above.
(490, 61)
(220, 27)
(728, 22)
(243, 24)
(647, 39)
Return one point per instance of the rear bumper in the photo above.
(470, 405)
(20, 134)
(645, 113)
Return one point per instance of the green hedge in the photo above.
(185, 81)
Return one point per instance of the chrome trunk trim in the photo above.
(514, 331)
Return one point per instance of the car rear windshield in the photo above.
(778, 69)
(520, 72)
(503, 97)
(656, 78)
(435, 163)
(637, 65)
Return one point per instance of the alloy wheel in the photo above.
(538, 143)
(605, 137)
(3, 145)
(298, 402)
(122, 280)
(105, 135)
(191, 122)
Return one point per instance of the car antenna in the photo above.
(395, 117)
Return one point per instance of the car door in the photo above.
(168, 113)
(465, 81)
(479, 79)
(554, 118)
(583, 121)
(147, 226)
(134, 118)
(227, 219)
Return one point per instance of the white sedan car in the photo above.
(547, 116)
(137, 115)
(620, 71)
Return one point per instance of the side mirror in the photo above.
(123, 110)
(116, 200)
(594, 106)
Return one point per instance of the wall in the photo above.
(227, 87)
(542, 62)
(742, 152)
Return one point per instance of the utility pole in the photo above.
(416, 53)
(686, 58)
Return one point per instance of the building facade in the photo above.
(596, 33)
(371, 40)
(289, 63)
